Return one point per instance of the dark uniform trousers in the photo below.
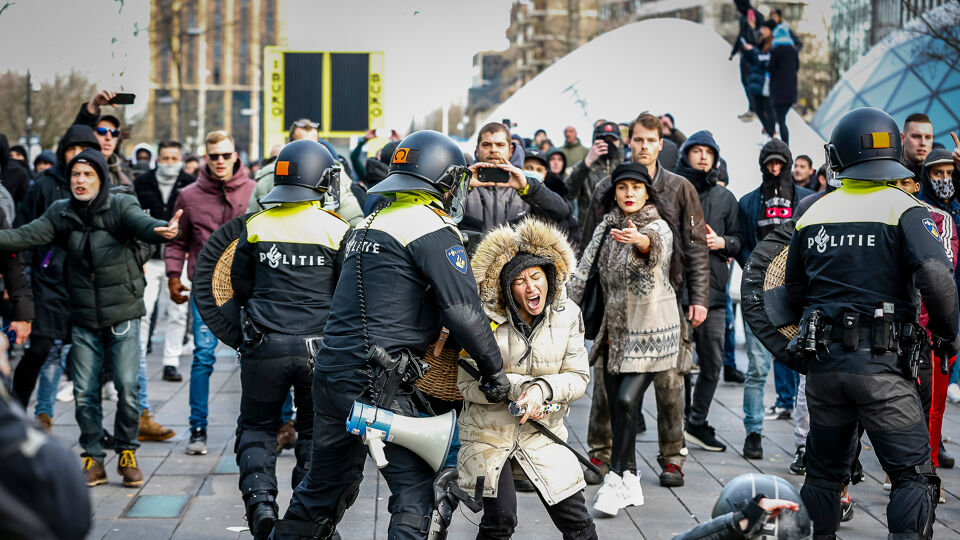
(267, 372)
(336, 463)
(888, 406)
(862, 247)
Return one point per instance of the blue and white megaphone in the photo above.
(428, 437)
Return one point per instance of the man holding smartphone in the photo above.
(107, 129)
(604, 156)
(500, 192)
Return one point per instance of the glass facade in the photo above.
(904, 74)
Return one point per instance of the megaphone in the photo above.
(428, 437)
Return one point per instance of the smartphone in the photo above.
(493, 174)
(508, 123)
(381, 132)
(122, 99)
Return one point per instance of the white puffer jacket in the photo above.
(554, 357)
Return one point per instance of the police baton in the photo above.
(473, 372)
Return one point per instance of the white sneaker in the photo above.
(631, 484)
(66, 392)
(953, 393)
(109, 392)
(611, 496)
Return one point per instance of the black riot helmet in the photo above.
(866, 145)
(431, 162)
(788, 525)
(304, 171)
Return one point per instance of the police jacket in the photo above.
(286, 265)
(416, 279)
(867, 243)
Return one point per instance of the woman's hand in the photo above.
(532, 398)
(173, 227)
(630, 235)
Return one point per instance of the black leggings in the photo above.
(780, 110)
(500, 514)
(25, 376)
(624, 393)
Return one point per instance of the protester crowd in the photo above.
(637, 228)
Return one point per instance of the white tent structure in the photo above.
(657, 65)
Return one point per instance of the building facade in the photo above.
(206, 56)
(857, 25)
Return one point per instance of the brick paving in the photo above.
(201, 493)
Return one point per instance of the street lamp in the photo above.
(202, 74)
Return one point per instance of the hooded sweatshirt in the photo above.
(936, 195)
(47, 263)
(207, 204)
(720, 213)
(775, 201)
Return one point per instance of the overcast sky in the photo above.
(429, 44)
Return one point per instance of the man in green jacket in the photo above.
(105, 281)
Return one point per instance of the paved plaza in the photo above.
(196, 497)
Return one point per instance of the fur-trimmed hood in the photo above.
(502, 244)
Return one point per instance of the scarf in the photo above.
(167, 177)
(777, 195)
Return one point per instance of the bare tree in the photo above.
(53, 106)
(942, 26)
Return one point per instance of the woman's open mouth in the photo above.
(533, 303)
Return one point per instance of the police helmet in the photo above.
(304, 171)
(738, 493)
(866, 145)
(424, 161)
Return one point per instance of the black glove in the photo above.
(495, 387)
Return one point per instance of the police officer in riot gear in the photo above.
(405, 275)
(855, 264)
(284, 272)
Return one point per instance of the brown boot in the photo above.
(45, 421)
(286, 436)
(152, 431)
(127, 467)
(94, 472)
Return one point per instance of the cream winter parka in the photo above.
(553, 356)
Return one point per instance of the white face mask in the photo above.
(943, 188)
(169, 171)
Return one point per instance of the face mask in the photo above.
(169, 171)
(943, 188)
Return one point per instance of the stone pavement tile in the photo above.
(157, 448)
(209, 518)
(157, 506)
(178, 464)
(172, 485)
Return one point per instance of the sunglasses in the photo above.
(217, 157)
(305, 124)
(103, 131)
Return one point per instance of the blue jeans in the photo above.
(785, 380)
(204, 345)
(50, 375)
(730, 335)
(142, 380)
(758, 358)
(286, 411)
(89, 346)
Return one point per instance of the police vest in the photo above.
(287, 261)
(858, 247)
(414, 272)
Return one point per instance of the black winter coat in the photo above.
(14, 176)
(783, 67)
(104, 279)
(151, 199)
(721, 213)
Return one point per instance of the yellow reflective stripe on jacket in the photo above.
(297, 223)
(409, 218)
(858, 201)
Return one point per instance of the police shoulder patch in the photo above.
(457, 257)
(931, 227)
